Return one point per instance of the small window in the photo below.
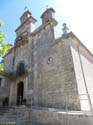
(47, 20)
(0, 81)
(20, 68)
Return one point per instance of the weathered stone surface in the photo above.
(61, 118)
(4, 89)
(55, 80)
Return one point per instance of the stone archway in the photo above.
(20, 90)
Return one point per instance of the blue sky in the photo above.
(11, 10)
(78, 14)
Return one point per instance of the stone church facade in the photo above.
(47, 72)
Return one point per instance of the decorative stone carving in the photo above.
(49, 60)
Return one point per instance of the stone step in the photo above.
(17, 120)
(9, 114)
(7, 107)
(12, 117)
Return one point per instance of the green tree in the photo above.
(4, 47)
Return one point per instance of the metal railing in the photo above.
(19, 100)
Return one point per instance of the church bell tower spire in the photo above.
(27, 25)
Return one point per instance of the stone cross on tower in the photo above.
(25, 8)
(46, 7)
(65, 29)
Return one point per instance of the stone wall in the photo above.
(60, 118)
(84, 76)
(88, 74)
(54, 77)
(41, 43)
(8, 62)
(51, 117)
(21, 54)
(4, 89)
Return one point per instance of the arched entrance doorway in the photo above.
(20, 90)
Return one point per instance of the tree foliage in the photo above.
(4, 47)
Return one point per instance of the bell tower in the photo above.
(27, 24)
(47, 16)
